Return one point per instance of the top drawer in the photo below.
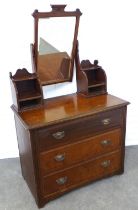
(76, 129)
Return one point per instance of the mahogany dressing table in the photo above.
(68, 141)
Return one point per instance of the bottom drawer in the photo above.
(75, 176)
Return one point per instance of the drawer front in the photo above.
(65, 156)
(77, 129)
(73, 177)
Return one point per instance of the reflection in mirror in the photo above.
(55, 44)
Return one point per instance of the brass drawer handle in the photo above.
(59, 157)
(106, 121)
(105, 163)
(59, 135)
(105, 142)
(61, 180)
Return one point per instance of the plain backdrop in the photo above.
(108, 32)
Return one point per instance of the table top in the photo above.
(63, 108)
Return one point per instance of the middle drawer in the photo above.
(65, 156)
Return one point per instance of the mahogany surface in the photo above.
(68, 107)
(70, 141)
(78, 151)
(81, 173)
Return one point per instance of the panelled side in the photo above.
(26, 156)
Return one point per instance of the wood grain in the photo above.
(71, 128)
(64, 108)
(82, 150)
(91, 170)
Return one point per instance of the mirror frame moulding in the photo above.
(57, 11)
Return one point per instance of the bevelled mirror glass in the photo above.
(55, 44)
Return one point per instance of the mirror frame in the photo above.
(57, 11)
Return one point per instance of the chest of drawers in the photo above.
(69, 142)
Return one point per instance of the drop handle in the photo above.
(59, 157)
(59, 135)
(106, 121)
(105, 142)
(61, 180)
(106, 163)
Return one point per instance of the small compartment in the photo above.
(91, 78)
(26, 90)
(96, 90)
(29, 103)
(96, 78)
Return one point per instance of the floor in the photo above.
(116, 193)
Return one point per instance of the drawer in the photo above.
(74, 130)
(67, 155)
(76, 176)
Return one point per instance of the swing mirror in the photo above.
(54, 48)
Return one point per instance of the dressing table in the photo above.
(67, 141)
